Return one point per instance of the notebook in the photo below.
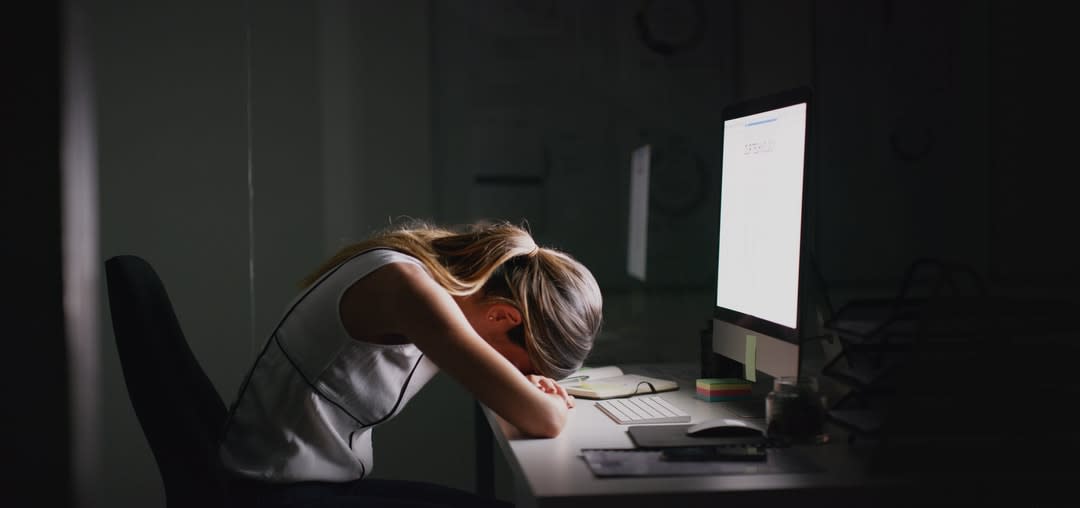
(610, 381)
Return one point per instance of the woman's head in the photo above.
(561, 308)
(499, 266)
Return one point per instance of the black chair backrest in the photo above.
(180, 411)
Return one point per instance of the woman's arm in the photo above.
(401, 299)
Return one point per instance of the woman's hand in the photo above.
(548, 385)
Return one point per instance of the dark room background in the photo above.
(240, 142)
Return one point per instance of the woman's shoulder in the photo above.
(362, 265)
(384, 255)
(389, 282)
(370, 260)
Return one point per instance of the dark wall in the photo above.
(172, 155)
(938, 137)
(35, 380)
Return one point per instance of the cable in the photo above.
(250, 174)
(822, 285)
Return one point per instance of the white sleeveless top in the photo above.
(314, 395)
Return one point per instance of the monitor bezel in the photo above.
(789, 97)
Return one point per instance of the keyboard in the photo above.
(642, 409)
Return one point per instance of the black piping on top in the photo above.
(275, 339)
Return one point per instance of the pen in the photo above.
(574, 379)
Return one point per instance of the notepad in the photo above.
(610, 381)
(719, 389)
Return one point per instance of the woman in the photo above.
(499, 314)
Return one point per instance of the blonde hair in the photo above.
(559, 300)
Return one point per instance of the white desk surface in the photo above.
(552, 473)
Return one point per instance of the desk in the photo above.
(551, 473)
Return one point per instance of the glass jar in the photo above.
(795, 411)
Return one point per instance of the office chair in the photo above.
(179, 410)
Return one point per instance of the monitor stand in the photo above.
(720, 366)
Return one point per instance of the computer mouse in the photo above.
(725, 427)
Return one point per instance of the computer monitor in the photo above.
(638, 217)
(760, 245)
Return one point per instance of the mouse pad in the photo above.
(672, 436)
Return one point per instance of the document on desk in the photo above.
(610, 463)
(610, 381)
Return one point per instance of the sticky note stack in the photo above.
(716, 389)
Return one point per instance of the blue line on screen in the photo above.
(759, 122)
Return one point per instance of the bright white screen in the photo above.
(761, 214)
